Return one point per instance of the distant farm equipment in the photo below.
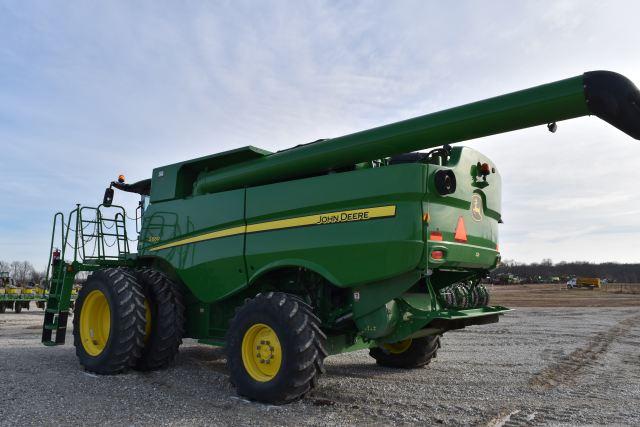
(507, 279)
(19, 297)
(16, 297)
(584, 282)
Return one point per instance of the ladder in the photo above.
(58, 302)
(91, 250)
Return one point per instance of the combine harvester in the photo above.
(285, 258)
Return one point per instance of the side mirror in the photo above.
(108, 197)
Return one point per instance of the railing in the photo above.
(89, 237)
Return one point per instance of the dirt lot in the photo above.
(537, 366)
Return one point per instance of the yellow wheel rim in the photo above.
(261, 352)
(398, 347)
(95, 323)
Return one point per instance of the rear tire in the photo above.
(408, 354)
(2, 307)
(275, 348)
(108, 325)
(166, 313)
(17, 307)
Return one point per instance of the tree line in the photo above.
(612, 271)
(22, 272)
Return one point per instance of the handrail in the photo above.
(53, 236)
(79, 247)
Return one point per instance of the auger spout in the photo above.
(608, 95)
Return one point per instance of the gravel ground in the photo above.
(538, 366)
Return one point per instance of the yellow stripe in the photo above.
(207, 236)
(302, 221)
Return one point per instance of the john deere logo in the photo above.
(476, 207)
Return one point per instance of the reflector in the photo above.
(435, 235)
(461, 231)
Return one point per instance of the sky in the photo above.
(89, 90)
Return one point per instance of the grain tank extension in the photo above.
(356, 242)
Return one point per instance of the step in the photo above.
(53, 327)
(50, 343)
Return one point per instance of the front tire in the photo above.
(17, 307)
(275, 348)
(109, 321)
(408, 354)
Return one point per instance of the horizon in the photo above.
(503, 263)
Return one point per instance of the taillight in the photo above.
(437, 254)
(483, 169)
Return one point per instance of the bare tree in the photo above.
(37, 276)
(21, 271)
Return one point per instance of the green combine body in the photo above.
(283, 258)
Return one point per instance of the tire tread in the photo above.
(303, 325)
